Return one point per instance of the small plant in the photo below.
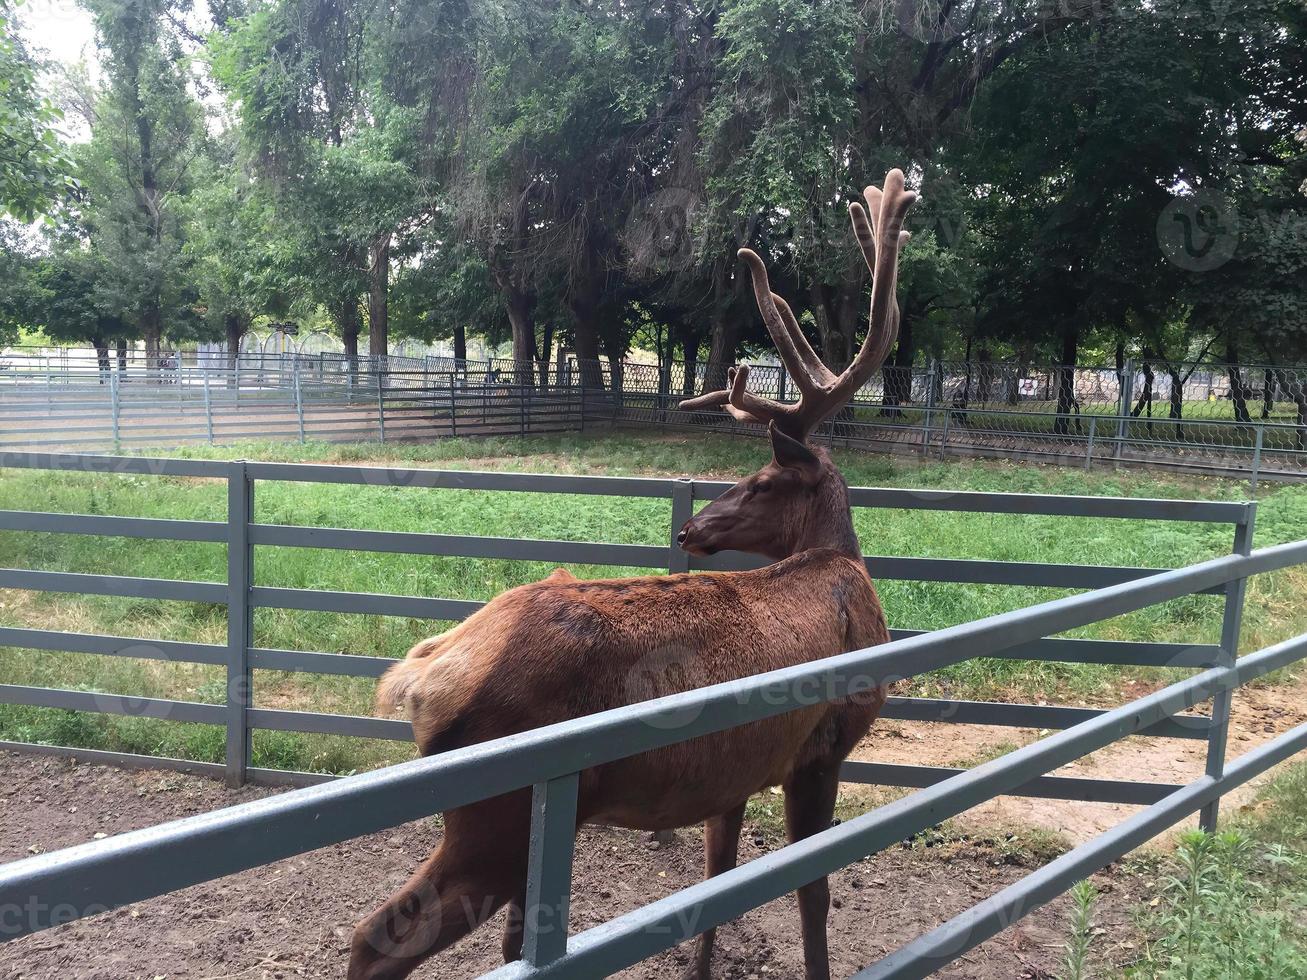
(1083, 896)
(1233, 910)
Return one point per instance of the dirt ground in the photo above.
(1258, 714)
(293, 918)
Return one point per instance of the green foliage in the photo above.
(34, 164)
(1083, 895)
(1233, 907)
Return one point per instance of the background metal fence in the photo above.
(1213, 418)
(141, 864)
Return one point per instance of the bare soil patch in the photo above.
(1258, 714)
(293, 918)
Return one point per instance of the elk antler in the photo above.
(821, 393)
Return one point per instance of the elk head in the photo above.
(799, 499)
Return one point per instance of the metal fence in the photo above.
(141, 864)
(1226, 419)
(286, 398)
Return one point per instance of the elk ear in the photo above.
(791, 453)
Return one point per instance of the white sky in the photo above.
(60, 29)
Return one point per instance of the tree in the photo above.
(138, 168)
(34, 165)
(339, 154)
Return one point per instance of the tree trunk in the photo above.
(542, 355)
(378, 289)
(985, 375)
(1066, 384)
(1238, 394)
(1146, 394)
(616, 351)
(1177, 399)
(1268, 393)
(101, 357)
(583, 301)
(346, 316)
(521, 317)
(897, 375)
(152, 331)
(836, 310)
(724, 340)
(690, 359)
(234, 330)
(122, 358)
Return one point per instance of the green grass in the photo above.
(1273, 611)
(1234, 904)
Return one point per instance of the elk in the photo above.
(563, 648)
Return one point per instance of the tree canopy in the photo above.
(1126, 178)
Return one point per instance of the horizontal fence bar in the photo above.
(387, 476)
(121, 527)
(137, 465)
(114, 646)
(347, 664)
(1053, 717)
(123, 760)
(1128, 653)
(113, 704)
(961, 570)
(463, 546)
(1042, 787)
(367, 603)
(327, 724)
(119, 585)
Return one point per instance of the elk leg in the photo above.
(513, 928)
(809, 809)
(721, 847)
(479, 866)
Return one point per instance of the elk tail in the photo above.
(393, 688)
(395, 683)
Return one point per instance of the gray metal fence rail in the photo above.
(83, 880)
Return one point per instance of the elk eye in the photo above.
(762, 486)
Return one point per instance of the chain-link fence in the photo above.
(1207, 417)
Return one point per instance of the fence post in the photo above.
(1258, 442)
(780, 385)
(299, 398)
(1089, 446)
(549, 869)
(1126, 396)
(208, 409)
(943, 439)
(682, 510)
(114, 407)
(381, 406)
(930, 406)
(240, 631)
(1231, 622)
(581, 389)
(521, 411)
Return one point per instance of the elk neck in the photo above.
(828, 523)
